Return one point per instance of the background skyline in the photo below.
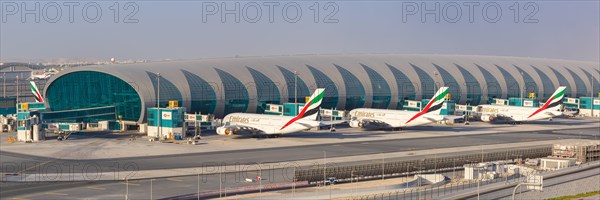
(189, 29)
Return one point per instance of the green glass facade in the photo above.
(530, 85)
(427, 83)
(581, 88)
(380, 88)
(355, 92)
(168, 90)
(330, 97)
(594, 82)
(222, 86)
(549, 87)
(266, 90)
(406, 89)
(511, 84)
(473, 86)
(492, 86)
(204, 99)
(91, 89)
(236, 95)
(449, 81)
(563, 82)
(300, 87)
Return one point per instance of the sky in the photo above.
(158, 30)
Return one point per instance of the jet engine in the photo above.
(487, 118)
(226, 131)
(356, 124)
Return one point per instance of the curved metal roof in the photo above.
(137, 74)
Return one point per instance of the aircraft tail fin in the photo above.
(555, 100)
(36, 92)
(310, 109)
(438, 100)
(434, 105)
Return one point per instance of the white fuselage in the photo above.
(515, 113)
(266, 124)
(391, 118)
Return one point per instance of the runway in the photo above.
(184, 185)
(285, 154)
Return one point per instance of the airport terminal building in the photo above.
(246, 84)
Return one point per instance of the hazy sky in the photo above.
(177, 30)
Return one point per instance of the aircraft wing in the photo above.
(334, 122)
(246, 128)
(571, 113)
(555, 113)
(437, 118)
(307, 125)
(375, 122)
(433, 118)
(453, 117)
(503, 117)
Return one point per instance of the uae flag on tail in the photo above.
(36, 92)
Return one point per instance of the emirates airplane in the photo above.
(550, 109)
(276, 125)
(398, 119)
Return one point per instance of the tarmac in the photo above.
(183, 167)
(86, 146)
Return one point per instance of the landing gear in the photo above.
(396, 129)
(266, 135)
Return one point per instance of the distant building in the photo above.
(580, 152)
(556, 163)
(247, 84)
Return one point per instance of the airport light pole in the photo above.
(159, 113)
(435, 165)
(17, 89)
(481, 153)
(158, 90)
(454, 168)
(522, 88)
(592, 95)
(295, 92)
(407, 175)
(294, 184)
(420, 172)
(324, 167)
(351, 180)
(382, 166)
(260, 178)
(4, 85)
(126, 189)
(436, 80)
(478, 181)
